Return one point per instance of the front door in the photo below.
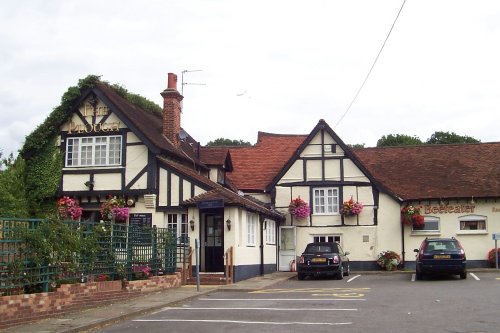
(287, 248)
(214, 243)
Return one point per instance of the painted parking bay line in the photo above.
(218, 321)
(282, 299)
(353, 278)
(474, 276)
(257, 309)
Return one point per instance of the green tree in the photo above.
(447, 138)
(356, 145)
(13, 190)
(228, 142)
(398, 140)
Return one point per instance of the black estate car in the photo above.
(441, 256)
(323, 259)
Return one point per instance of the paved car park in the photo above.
(392, 302)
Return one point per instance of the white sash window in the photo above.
(94, 151)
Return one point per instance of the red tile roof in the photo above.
(436, 171)
(150, 125)
(256, 166)
(214, 155)
(216, 191)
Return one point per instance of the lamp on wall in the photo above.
(472, 201)
(228, 224)
(191, 224)
(89, 183)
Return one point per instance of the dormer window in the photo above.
(94, 151)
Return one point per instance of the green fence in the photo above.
(38, 255)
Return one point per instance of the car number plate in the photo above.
(318, 260)
(442, 256)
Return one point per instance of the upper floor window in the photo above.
(94, 151)
(472, 223)
(326, 200)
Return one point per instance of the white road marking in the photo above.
(240, 322)
(266, 309)
(283, 299)
(474, 276)
(413, 277)
(353, 278)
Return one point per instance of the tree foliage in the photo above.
(447, 138)
(228, 142)
(13, 191)
(437, 138)
(398, 140)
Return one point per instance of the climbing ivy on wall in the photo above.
(43, 158)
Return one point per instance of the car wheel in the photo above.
(348, 270)
(463, 275)
(340, 274)
(301, 276)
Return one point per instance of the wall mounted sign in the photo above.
(92, 110)
(208, 204)
(448, 209)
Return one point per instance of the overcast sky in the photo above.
(273, 66)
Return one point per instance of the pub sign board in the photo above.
(209, 204)
(141, 220)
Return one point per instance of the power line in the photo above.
(371, 68)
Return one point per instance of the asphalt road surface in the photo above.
(359, 303)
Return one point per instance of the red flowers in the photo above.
(351, 208)
(410, 215)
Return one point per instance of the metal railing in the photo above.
(110, 251)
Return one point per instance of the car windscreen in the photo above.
(440, 246)
(322, 248)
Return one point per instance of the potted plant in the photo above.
(388, 260)
(491, 257)
(351, 208)
(299, 208)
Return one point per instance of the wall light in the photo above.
(90, 184)
(228, 223)
(191, 224)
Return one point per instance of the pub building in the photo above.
(236, 200)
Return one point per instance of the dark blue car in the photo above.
(440, 256)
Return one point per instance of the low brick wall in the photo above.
(17, 309)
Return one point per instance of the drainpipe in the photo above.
(261, 220)
(403, 261)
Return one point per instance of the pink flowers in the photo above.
(120, 213)
(69, 207)
(351, 208)
(299, 208)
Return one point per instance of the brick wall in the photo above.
(17, 309)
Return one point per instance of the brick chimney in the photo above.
(172, 111)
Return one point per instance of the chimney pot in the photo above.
(172, 81)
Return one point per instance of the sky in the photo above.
(273, 66)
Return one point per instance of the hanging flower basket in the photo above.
(410, 215)
(351, 208)
(69, 207)
(114, 207)
(299, 208)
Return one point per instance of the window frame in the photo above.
(316, 197)
(251, 230)
(426, 220)
(180, 225)
(90, 149)
(472, 218)
(270, 232)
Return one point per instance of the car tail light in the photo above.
(421, 253)
(301, 260)
(336, 259)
